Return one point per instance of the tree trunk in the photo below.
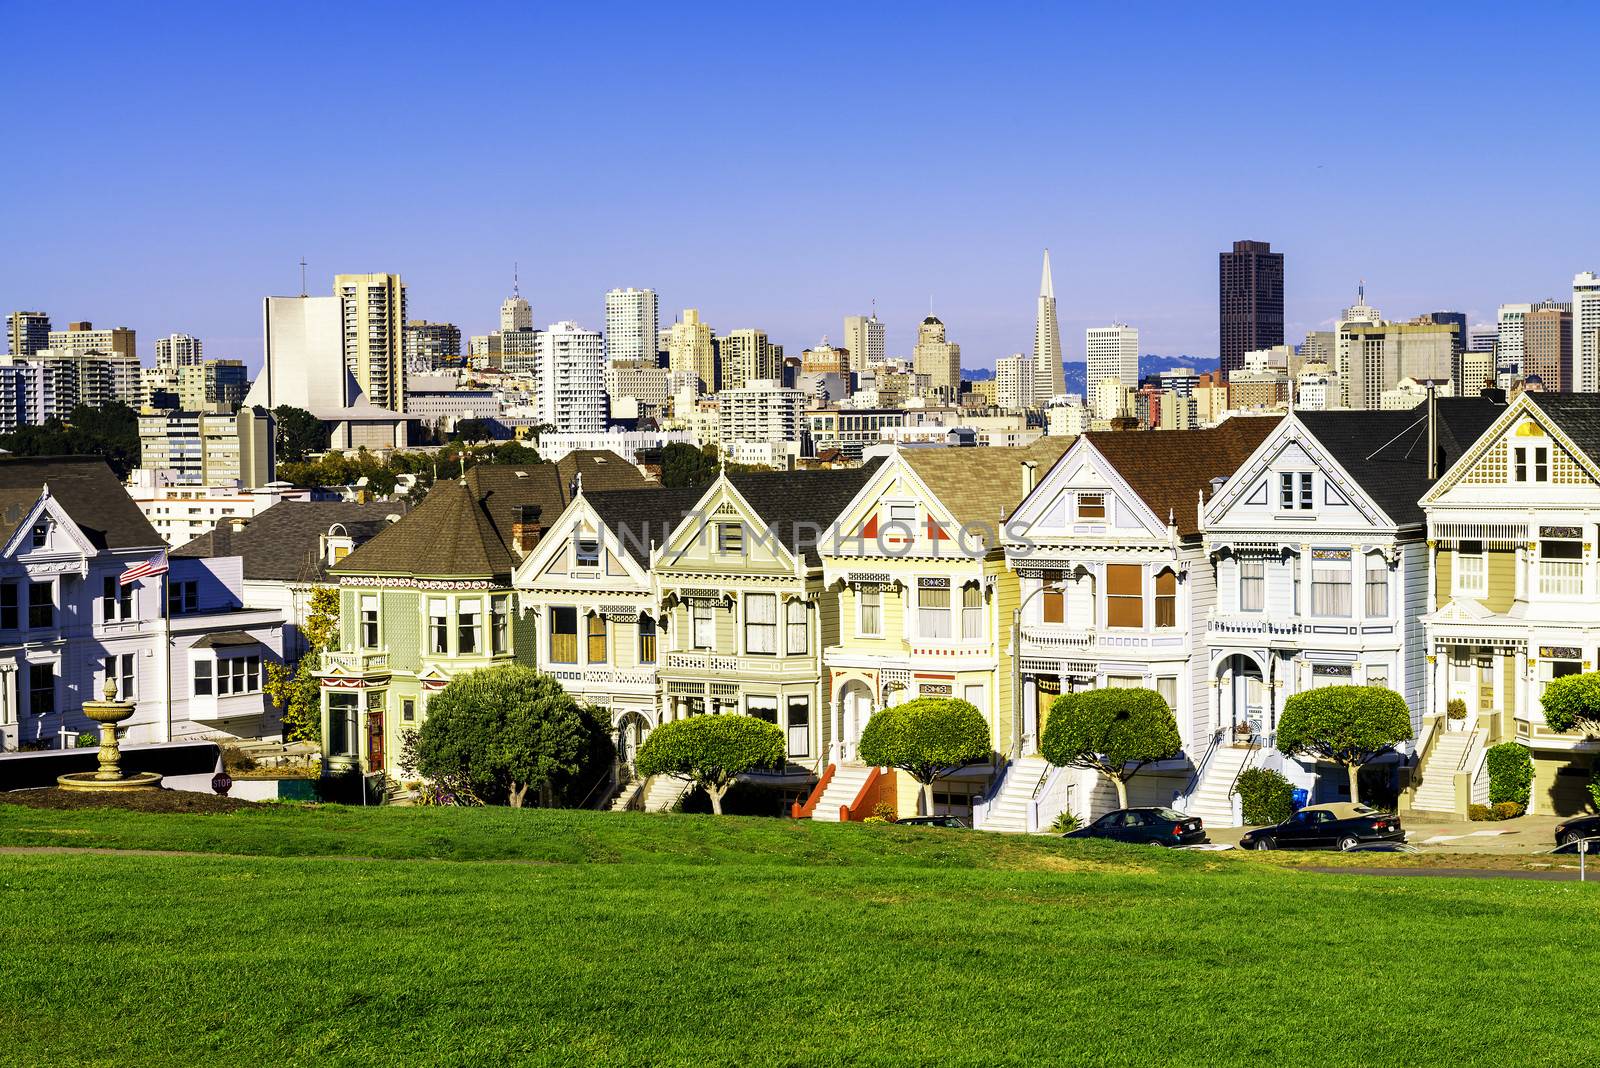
(1122, 791)
(927, 798)
(517, 794)
(1354, 770)
(716, 792)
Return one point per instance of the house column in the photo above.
(1497, 662)
(1519, 697)
(1441, 679)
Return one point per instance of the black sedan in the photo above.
(1341, 826)
(1577, 829)
(1146, 826)
(955, 822)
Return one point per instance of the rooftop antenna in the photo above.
(516, 281)
(303, 276)
(1361, 292)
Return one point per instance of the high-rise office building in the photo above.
(1547, 349)
(373, 308)
(82, 338)
(570, 379)
(760, 412)
(1049, 376)
(864, 338)
(1458, 342)
(516, 314)
(632, 319)
(1251, 300)
(1013, 382)
(689, 349)
(1586, 331)
(1318, 347)
(209, 448)
(178, 350)
(939, 359)
(1378, 355)
(1508, 337)
(1112, 352)
(429, 345)
(29, 331)
(747, 356)
(1481, 337)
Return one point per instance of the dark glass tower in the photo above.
(1251, 300)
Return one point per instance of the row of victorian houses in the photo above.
(1446, 553)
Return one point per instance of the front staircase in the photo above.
(1212, 797)
(630, 798)
(842, 788)
(1452, 751)
(661, 792)
(1007, 811)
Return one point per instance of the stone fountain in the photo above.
(109, 777)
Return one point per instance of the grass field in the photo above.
(631, 939)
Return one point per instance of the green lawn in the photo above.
(690, 940)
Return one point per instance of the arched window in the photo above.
(1166, 598)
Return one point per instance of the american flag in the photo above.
(158, 566)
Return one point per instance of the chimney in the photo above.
(1030, 473)
(1433, 432)
(525, 529)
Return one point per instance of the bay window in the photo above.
(647, 638)
(1330, 582)
(563, 635)
(797, 639)
(871, 623)
(971, 612)
(799, 724)
(596, 650)
(702, 625)
(933, 608)
(438, 626)
(1166, 598)
(469, 614)
(1252, 585)
(1377, 586)
(761, 624)
(1124, 595)
(499, 625)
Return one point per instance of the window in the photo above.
(903, 515)
(1167, 687)
(1091, 506)
(41, 534)
(730, 538)
(342, 709)
(183, 597)
(469, 614)
(871, 625)
(1560, 565)
(438, 626)
(1330, 582)
(1124, 595)
(116, 600)
(9, 617)
(1331, 675)
(1054, 598)
(1295, 582)
(1294, 490)
(42, 689)
(121, 670)
(1166, 598)
(1378, 675)
(587, 552)
(41, 606)
(933, 608)
(763, 708)
(1532, 463)
(1377, 586)
(499, 625)
(761, 623)
(202, 678)
(797, 640)
(702, 625)
(369, 621)
(408, 709)
(596, 648)
(799, 719)
(1252, 585)
(971, 612)
(647, 638)
(238, 674)
(564, 635)
(1471, 573)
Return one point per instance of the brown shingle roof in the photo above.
(1170, 469)
(284, 543)
(982, 486)
(89, 491)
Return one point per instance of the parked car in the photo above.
(1343, 826)
(1577, 829)
(1148, 826)
(933, 821)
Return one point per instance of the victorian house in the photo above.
(430, 597)
(1116, 589)
(1321, 570)
(1515, 597)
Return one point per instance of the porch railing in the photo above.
(1561, 578)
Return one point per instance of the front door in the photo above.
(375, 739)
(1485, 682)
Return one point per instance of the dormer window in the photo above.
(1531, 463)
(903, 514)
(730, 538)
(587, 552)
(1294, 491)
(1091, 506)
(41, 534)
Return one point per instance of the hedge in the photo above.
(1265, 795)
(1510, 773)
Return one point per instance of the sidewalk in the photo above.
(1443, 834)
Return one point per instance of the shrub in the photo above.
(712, 751)
(1510, 773)
(1594, 785)
(1265, 795)
(1456, 709)
(1572, 702)
(885, 811)
(1507, 810)
(1065, 823)
(1113, 731)
(927, 738)
(88, 740)
(235, 760)
(1348, 725)
(1479, 813)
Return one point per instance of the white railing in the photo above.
(360, 661)
(1050, 637)
(1053, 797)
(1249, 624)
(1561, 578)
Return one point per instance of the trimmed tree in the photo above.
(1572, 702)
(1345, 725)
(504, 731)
(1113, 731)
(1510, 773)
(927, 738)
(712, 751)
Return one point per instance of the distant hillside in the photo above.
(1148, 365)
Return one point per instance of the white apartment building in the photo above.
(570, 378)
(1013, 382)
(761, 412)
(181, 512)
(1586, 331)
(84, 377)
(209, 449)
(1508, 346)
(80, 338)
(553, 445)
(177, 350)
(1112, 352)
(27, 395)
(374, 315)
(632, 321)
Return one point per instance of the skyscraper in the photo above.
(864, 338)
(1111, 352)
(1586, 331)
(29, 332)
(1049, 377)
(1250, 301)
(83, 338)
(570, 379)
(430, 345)
(1458, 344)
(746, 356)
(1013, 382)
(632, 318)
(516, 314)
(937, 358)
(373, 308)
(1508, 350)
(178, 350)
(1547, 337)
(689, 349)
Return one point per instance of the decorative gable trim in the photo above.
(46, 506)
(1290, 432)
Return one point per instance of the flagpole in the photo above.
(166, 635)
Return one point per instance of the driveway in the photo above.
(1444, 834)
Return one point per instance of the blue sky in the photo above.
(781, 166)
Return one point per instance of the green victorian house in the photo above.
(431, 597)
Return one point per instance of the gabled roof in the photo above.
(86, 488)
(1578, 416)
(1387, 452)
(800, 506)
(1170, 469)
(284, 543)
(463, 526)
(982, 486)
(642, 521)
